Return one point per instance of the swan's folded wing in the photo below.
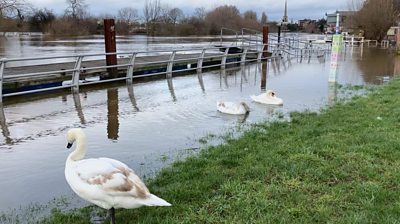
(112, 177)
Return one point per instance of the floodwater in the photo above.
(149, 124)
(39, 46)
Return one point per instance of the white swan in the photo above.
(233, 108)
(105, 182)
(267, 98)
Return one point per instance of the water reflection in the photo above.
(223, 78)
(243, 118)
(284, 65)
(2, 46)
(272, 109)
(396, 70)
(332, 93)
(201, 82)
(376, 62)
(112, 114)
(4, 127)
(171, 89)
(244, 74)
(278, 65)
(131, 95)
(264, 72)
(78, 106)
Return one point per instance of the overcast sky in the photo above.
(297, 9)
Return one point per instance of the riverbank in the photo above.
(341, 166)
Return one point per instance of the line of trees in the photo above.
(156, 19)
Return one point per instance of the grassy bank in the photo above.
(339, 166)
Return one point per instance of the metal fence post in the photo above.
(76, 73)
(200, 60)
(170, 64)
(223, 61)
(2, 65)
(129, 70)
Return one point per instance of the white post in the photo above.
(337, 23)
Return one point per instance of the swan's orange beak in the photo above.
(69, 145)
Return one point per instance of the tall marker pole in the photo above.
(336, 48)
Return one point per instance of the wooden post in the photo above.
(265, 42)
(110, 44)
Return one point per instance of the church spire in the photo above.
(285, 16)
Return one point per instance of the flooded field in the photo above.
(149, 124)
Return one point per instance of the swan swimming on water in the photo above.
(267, 98)
(105, 182)
(233, 108)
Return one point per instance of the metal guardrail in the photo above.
(198, 58)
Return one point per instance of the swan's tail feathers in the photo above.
(156, 201)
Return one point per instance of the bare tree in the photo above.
(41, 19)
(175, 15)
(375, 17)
(250, 20)
(200, 13)
(11, 8)
(128, 15)
(76, 9)
(250, 15)
(224, 16)
(127, 18)
(14, 8)
(152, 14)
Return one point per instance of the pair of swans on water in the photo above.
(242, 108)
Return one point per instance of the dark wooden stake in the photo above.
(111, 46)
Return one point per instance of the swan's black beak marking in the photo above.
(69, 145)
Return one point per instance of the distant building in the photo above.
(344, 20)
(308, 25)
(392, 32)
(304, 22)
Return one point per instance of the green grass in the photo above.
(337, 166)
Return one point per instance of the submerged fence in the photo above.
(74, 71)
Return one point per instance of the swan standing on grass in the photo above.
(105, 182)
(267, 98)
(233, 108)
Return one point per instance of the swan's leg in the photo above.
(112, 215)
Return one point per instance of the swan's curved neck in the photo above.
(80, 149)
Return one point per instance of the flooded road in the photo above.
(148, 124)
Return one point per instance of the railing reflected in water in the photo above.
(223, 78)
(131, 95)
(4, 128)
(78, 106)
(231, 77)
(201, 82)
(332, 93)
(171, 89)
